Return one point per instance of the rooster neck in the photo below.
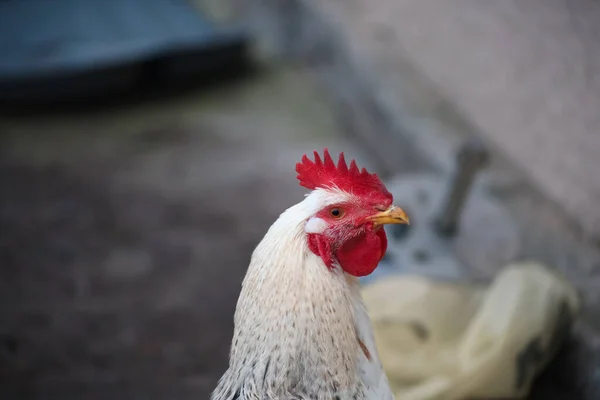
(295, 323)
(301, 329)
(295, 327)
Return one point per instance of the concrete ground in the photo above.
(525, 75)
(126, 232)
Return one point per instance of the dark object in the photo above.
(77, 49)
(9, 343)
(472, 156)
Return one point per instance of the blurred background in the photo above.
(147, 145)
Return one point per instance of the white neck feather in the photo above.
(296, 320)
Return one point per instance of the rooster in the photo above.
(301, 329)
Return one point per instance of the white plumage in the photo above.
(301, 329)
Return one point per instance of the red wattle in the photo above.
(320, 246)
(360, 256)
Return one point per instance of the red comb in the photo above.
(324, 173)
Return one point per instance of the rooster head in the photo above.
(351, 206)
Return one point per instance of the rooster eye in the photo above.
(336, 212)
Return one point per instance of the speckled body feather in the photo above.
(301, 330)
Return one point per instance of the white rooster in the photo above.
(301, 329)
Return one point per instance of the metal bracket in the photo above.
(458, 232)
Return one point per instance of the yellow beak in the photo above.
(393, 215)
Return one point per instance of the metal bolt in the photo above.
(472, 157)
